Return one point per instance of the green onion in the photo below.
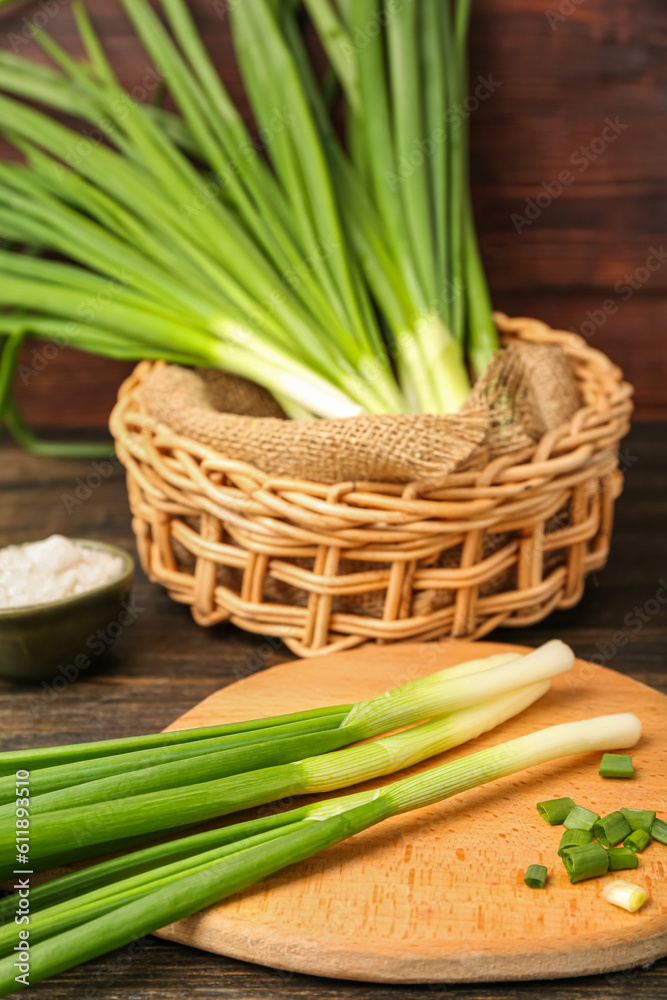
(100, 812)
(235, 747)
(124, 866)
(220, 755)
(622, 857)
(616, 765)
(612, 829)
(639, 819)
(301, 265)
(46, 757)
(659, 830)
(637, 840)
(586, 861)
(628, 896)
(555, 811)
(536, 876)
(229, 734)
(574, 838)
(173, 786)
(580, 818)
(141, 906)
(86, 761)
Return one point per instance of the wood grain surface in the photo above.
(438, 894)
(555, 71)
(164, 664)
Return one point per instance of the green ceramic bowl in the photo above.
(55, 642)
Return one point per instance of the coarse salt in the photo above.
(40, 572)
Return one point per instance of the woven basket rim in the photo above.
(611, 402)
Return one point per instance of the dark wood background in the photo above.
(560, 68)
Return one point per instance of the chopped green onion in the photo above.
(638, 840)
(616, 765)
(536, 876)
(580, 818)
(574, 838)
(586, 861)
(628, 896)
(659, 830)
(554, 811)
(639, 819)
(622, 857)
(612, 829)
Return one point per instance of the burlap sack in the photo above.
(527, 390)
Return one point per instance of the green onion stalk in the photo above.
(325, 271)
(85, 914)
(407, 703)
(101, 802)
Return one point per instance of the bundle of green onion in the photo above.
(82, 915)
(86, 800)
(321, 268)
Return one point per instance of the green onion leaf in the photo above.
(555, 811)
(574, 838)
(580, 818)
(616, 765)
(637, 840)
(622, 857)
(639, 819)
(659, 830)
(586, 861)
(151, 898)
(612, 829)
(536, 876)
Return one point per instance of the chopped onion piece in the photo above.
(627, 895)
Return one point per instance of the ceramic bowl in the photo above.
(56, 641)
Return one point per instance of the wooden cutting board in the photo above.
(438, 895)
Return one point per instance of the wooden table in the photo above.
(163, 663)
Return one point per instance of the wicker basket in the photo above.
(329, 567)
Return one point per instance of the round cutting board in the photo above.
(437, 895)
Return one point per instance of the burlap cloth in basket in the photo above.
(528, 390)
